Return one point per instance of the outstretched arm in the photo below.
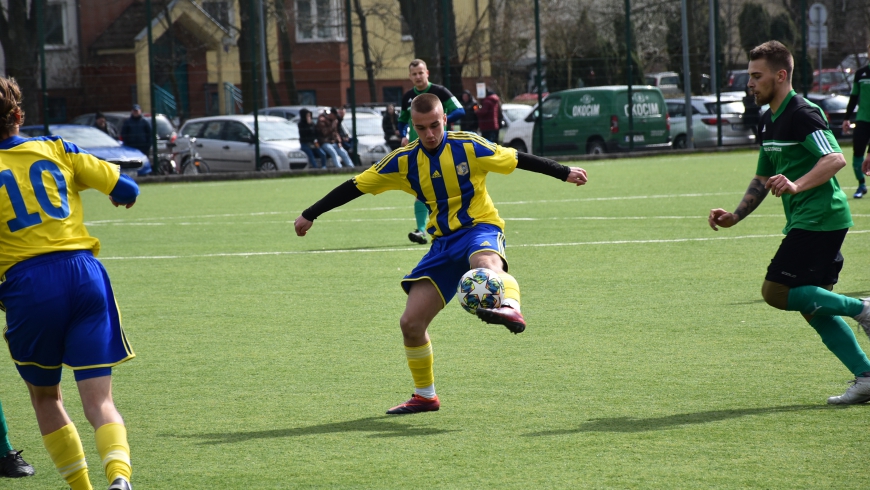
(753, 197)
(125, 192)
(339, 196)
(532, 163)
(822, 171)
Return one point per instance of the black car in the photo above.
(835, 110)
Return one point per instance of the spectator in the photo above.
(136, 131)
(488, 116)
(342, 133)
(328, 138)
(751, 113)
(308, 139)
(101, 124)
(390, 125)
(469, 120)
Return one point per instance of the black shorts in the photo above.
(860, 137)
(808, 258)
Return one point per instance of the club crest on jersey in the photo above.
(462, 168)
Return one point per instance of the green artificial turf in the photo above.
(265, 360)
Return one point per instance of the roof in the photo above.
(121, 33)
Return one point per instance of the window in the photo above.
(55, 24)
(237, 132)
(319, 20)
(307, 97)
(219, 11)
(551, 107)
(212, 130)
(393, 95)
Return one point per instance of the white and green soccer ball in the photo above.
(480, 288)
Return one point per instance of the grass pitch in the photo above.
(266, 360)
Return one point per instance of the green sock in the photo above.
(422, 214)
(5, 445)
(856, 166)
(813, 300)
(840, 340)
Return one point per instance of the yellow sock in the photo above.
(420, 360)
(114, 451)
(65, 448)
(511, 290)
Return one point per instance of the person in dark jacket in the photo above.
(469, 120)
(390, 125)
(136, 131)
(101, 124)
(308, 140)
(488, 116)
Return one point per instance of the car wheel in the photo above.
(518, 146)
(680, 142)
(267, 165)
(596, 147)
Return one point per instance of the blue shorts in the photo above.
(60, 311)
(449, 258)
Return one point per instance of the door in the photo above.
(238, 147)
(209, 143)
(558, 136)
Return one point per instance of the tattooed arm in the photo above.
(751, 200)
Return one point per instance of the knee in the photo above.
(775, 294)
(412, 327)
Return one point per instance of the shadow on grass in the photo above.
(383, 426)
(853, 294)
(630, 424)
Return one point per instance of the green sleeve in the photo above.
(765, 166)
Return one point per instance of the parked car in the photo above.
(831, 81)
(834, 107)
(595, 120)
(289, 112)
(735, 80)
(226, 143)
(705, 122)
(850, 64)
(94, 142)
(166, 131)
(520, 124)
(667, 81)
(371, 145)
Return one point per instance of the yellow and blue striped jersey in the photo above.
(40, 206)
(451, 182)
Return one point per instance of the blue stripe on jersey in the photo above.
(414, 174)
(14, 141)
(441, 196)
(481, 150)
(465, 185)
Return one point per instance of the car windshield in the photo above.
(85, 136)
(277, 130)
(365, 126)
(164, 128)
(727, 107)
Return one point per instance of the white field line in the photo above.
(391, 208)
(418, 249)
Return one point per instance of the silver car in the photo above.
(704, 122)
(372, 146)
(226, 143)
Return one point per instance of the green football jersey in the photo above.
(792, 142)
(861, 88)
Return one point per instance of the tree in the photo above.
(284, 19)
(20, 40)
(426, 21)
(754, 26)
(366, 49)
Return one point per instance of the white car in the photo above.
(371, 146)
(704, 122)
(226, 143)
(520, 125)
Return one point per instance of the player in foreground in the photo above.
(797, 162)
(12, 465)
(447, 171)
(861, 136)
(419, 75)
(59, 305)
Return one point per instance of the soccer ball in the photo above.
(480, 288)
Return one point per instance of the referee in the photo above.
(797, 162)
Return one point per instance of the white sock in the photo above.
(512, 303)
(426, 392)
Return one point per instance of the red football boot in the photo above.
(416, 404)
(507, 316)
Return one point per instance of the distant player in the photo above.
(60, 310)
(861, 135)
(447, 171)
(419, 75)
(798, 160)
(12, 465)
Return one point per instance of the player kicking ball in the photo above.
(447, 171)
